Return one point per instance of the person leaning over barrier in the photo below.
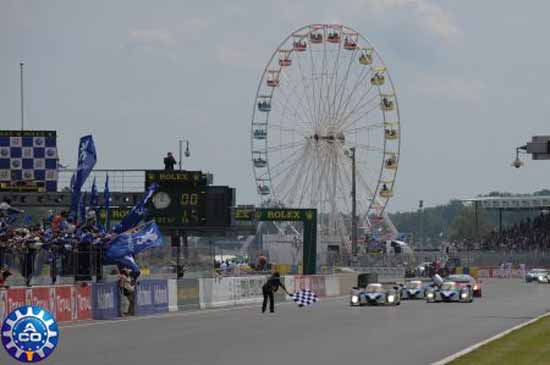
(269, 288)
(127, 291)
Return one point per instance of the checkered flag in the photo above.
(304, 297)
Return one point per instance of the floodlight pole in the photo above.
(22, 95)
(353, 205)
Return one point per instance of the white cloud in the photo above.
(151, 38)
(457, 88)
(424, 14)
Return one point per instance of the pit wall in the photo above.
(101, 301)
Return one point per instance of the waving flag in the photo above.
(87, 159)
(304, 297)
(107, 203)
(134, 241)
(94, 198)
(138, 212)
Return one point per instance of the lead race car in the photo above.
(376, 294)
(450, 291)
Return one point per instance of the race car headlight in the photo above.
(464, 295)
(541, 278)
(391, 298)
(355, 299)
(430, 295)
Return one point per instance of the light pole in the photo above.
(421, 225)
(187, 151)
(21, 89)
(351, 154)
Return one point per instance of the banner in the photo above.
(105, 300)
(152, 297)
(83, 300)
(87, 159)
(63, 304)
(16, 298)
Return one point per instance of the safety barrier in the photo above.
(188, 294)
(227, 291)
(151, 297)
(65, 302)
(384, 273)
(101, 301)
(498, 273)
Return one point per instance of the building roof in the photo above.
(513, 202)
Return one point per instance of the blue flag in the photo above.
(135, 241)
(87, 159)
(107, 204)
(94, 198)
(137, 213)
(82, 209)
(128, 262)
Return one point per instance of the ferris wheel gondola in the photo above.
(324, 91)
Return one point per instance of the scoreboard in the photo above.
(28, 161)
(183, 200)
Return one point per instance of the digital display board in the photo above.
(183, 200)
(28, 161)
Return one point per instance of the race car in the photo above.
(450, 291)
(534, 274)
(415, 289)
(463, 279)
(376, 294)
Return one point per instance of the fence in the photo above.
(494, 259)
(124, 181)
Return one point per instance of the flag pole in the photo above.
(22, 95)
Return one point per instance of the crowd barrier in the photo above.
(65, 302)
(227, 291)
(188, 294)
(499, 273)
(101, 301)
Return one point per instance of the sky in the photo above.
(471, 79)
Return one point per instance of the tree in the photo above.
(464, 225)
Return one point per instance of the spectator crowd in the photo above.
(529, 235)
(57, 235)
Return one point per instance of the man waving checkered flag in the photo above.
(304, 297)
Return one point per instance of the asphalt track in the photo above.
(330, 332)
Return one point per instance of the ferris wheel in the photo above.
(326, 95)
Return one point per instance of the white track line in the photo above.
(474, 347)
(181, 314)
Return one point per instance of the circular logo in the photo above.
(30, 334)
(161, 200)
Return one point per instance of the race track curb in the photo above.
(474, 347)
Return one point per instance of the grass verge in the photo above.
(529, 345)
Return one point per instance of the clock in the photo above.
(161, 200)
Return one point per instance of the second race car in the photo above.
(450, 291)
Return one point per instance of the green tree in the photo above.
(464, 224)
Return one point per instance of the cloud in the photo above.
(457, 88)
(426, 14)
(151, 38)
